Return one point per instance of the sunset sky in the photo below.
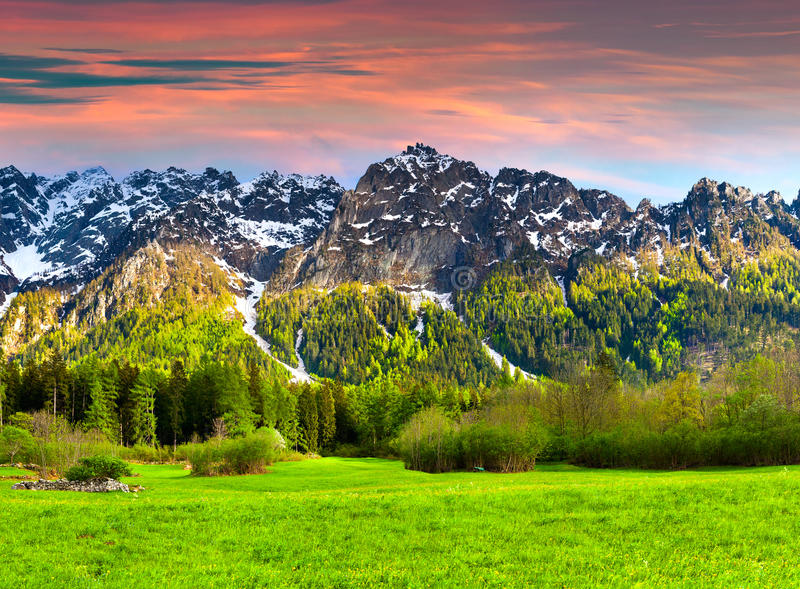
(622, 95)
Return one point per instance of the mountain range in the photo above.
(413, 222)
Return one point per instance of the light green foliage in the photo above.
(355, 334)
(519, 308)
(98, 467)
(651, 323)
(430, 442)
(507, 436)
(181, 310)
(250, 454)
(16, 444)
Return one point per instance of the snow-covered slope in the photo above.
(68, 228)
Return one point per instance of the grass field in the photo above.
(362, 522)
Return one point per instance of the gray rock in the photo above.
(92, 486)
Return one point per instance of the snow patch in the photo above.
(26, 261)
(498, 360)
(561, 285)
(7, 303)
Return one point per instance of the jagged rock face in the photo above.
(66, 230)
(719, 212)
(136, 280)
(409, 218)
(557, 218)
(28, 317)
(22, 208)
(414, 218)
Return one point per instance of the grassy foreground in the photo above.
(361, 522)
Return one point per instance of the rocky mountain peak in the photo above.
(707, 191)
(216, 181)
(421, 161)
(97, 171)
(420, 150)
(773, 197)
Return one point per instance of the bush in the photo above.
(685, 445)
(351, 451)
(558, 449)
(429, 442)
(59, 445)
(506, 438)
(250, 454)
(98, 467)
(253, 453)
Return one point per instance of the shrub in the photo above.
(253, 453)
(351, 451)
(507, 438)
(147, 454)
(202, 456)
(250, 454)
(685, 445)
(58, 445)
(98, 467)
(429, 442)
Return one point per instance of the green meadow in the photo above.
(367, 522)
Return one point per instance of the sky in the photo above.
(638, 99)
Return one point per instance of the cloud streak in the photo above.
(87, 50)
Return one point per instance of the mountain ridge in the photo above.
(457, 215)
(79, 223)
(423, 223)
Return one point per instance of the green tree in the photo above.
(102, 412)
(15, 441)
(308, 417)
(327, 415)
(143, 395)
(169, 404)
(56, 383)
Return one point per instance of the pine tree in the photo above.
(102, 412)
(327, 416)
(56, 383)
(143, 422)
(171, 411)
(3, 389)
(308, 417)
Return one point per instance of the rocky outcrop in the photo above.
(92, 486)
